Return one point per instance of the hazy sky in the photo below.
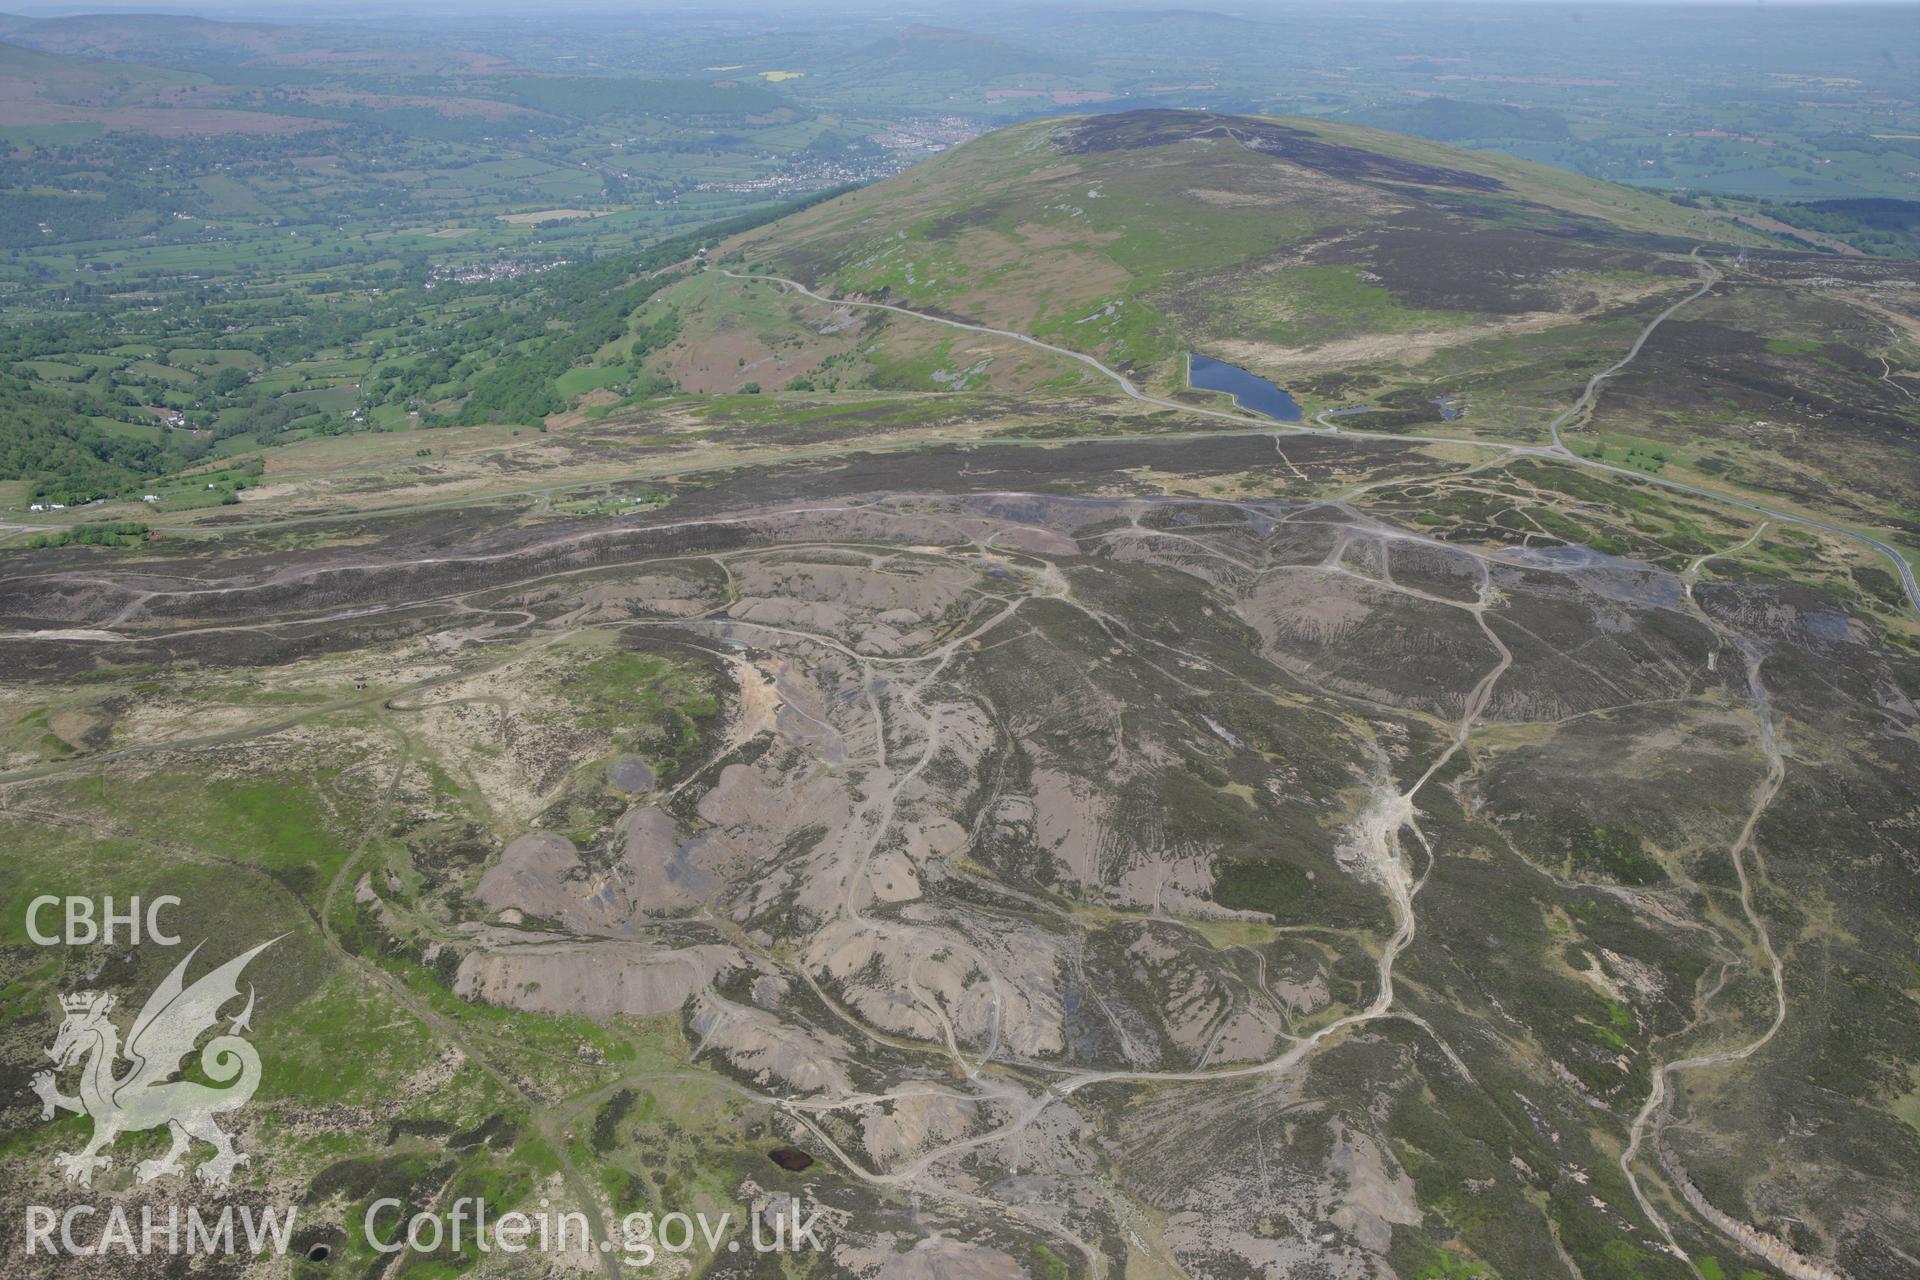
(310, 10)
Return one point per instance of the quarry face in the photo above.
(1194, 883)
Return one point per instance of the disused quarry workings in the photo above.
(1092, 858)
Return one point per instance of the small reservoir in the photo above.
(1250, 391)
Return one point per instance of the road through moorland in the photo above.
(908, 730)
(1557, 450)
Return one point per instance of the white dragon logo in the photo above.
(143, 1097)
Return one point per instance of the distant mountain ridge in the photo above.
(924, 49)
(1452, 120)
(154, 37)
(1140, 235)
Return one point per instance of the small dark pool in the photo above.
(630, 773)
(791, 1159)
(1249, 391)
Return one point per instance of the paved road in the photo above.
(1709, 278)
(1556, 451)
(1126, 384)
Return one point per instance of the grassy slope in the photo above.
(1353, 287)
(1009, 231)
(32, 73)
(1003, 163)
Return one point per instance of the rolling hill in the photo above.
(153, 37)
(1062, 827)
(1363, 268)
(1451, 120)
(919, 50)
(34, 73)
(1137, 235)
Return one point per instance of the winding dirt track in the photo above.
(1557, 450)
(1378, 831)
(1645, 1128)
(1709, 278)
(1380, 826)
(1377, 836)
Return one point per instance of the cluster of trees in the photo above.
(54, 441)
(113, 533)
(121, 183)
(71, 459)
(599, 300)
(502, 361)
(34, 218)
(1878, 225)
(1452, 120)
(591, 97)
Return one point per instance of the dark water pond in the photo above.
(630, 773)
(1249, 391)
